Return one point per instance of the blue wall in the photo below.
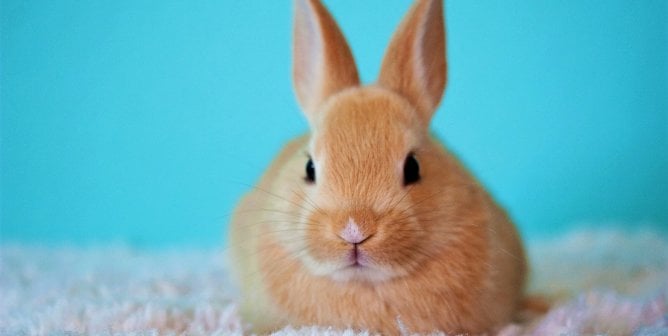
(144, 121)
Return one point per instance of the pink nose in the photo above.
(352, 234)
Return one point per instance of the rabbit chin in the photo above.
(343, 272)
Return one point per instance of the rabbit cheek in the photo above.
(398, 248)
(323, 251)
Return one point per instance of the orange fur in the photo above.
(439, 254)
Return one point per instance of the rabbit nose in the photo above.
(352, 233)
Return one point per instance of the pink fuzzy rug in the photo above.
(607, 282)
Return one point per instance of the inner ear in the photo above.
(322, 62)
(414, 64)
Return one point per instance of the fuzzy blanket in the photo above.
(605, 282)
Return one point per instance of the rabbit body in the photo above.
(387, 231)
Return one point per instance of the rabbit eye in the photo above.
(310, 171)
(411, 170)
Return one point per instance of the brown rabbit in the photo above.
(369, 222)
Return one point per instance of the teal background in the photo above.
(144, 121)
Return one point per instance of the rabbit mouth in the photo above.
(357, 257)
(360, 267)
(361, 272)
(355, 264)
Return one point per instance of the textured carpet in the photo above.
(605, 282)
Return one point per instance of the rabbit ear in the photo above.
(414, 64)
(322, 61)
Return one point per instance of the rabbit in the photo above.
(367, 221)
